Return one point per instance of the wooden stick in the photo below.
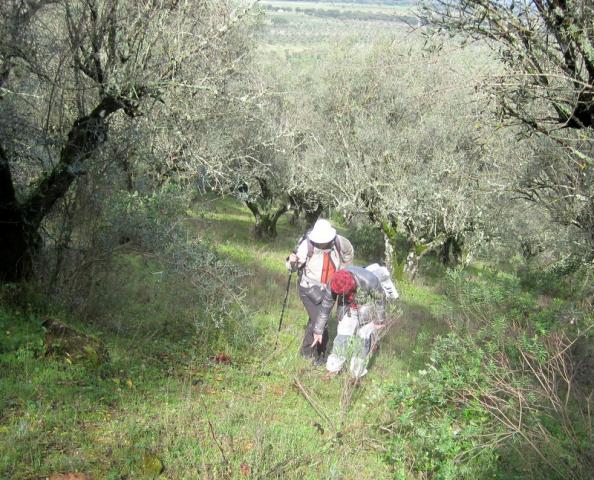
(311, 401)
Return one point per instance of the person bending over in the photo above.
(361, 295)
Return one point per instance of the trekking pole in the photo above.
(280, 323)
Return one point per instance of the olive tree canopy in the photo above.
(70, 68)
(399, 139)
(546, 87)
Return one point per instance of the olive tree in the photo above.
(402, 143)
(538, 178)
(71, 70)
(546, 48)
(248, 153)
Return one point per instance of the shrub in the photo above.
(368, 243)
(570, 277)
(138, 268)
(501, 394)
(434, 434)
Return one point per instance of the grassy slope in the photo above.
(200, 418)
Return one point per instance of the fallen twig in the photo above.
(212, 432)
(311, 401)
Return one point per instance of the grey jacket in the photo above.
(369, 291)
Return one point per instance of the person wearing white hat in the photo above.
(319, 254)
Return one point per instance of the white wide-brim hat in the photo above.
(322, 232)
(383, 276)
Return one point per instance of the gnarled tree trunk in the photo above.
(16, 236)
(450, 251)
(19, 238)
(392, 255)
(265, 227)
(311, 216)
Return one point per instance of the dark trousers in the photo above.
(312, 309)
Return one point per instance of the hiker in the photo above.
(319, 253)
(361, 295)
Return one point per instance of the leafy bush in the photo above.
(478, 299)
(434, 434)
(501, 395)
(202, 289)
(139, 268)
(569, 277)
(368, 242)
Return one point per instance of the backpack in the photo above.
(310, 247)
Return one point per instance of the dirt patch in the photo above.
(65, 341)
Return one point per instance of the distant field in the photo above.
(401, 12)
(395, 8)
(302, 33)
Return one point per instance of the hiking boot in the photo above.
(319, 361)
(307, 355)
(308, 352)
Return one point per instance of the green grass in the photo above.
(164, 397)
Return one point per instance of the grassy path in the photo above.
(311, 427)
(263, 415)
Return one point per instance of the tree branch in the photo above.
(86, 135)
